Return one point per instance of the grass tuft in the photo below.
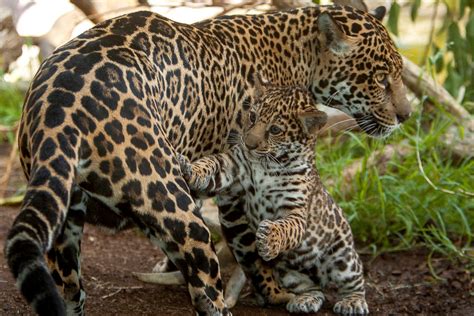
(400, 209)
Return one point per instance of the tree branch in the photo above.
(418, 81)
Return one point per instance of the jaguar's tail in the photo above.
(41, 217)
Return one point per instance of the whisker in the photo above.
(331, 97)
(337, 123)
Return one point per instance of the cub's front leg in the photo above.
(276, 236)
(209, 175)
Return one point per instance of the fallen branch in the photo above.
(418, 81)
(10, 201)
(234, 286)
(7, 129)
(460, 144)
(89, 10)
(163, 278)
(119, 289)
(242, 5)
(378, 159)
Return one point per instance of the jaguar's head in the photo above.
(282, 122)
(359, 69)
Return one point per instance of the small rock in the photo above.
(456, 284)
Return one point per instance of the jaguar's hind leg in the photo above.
(187, 243)
(165, 211)
(64, 257)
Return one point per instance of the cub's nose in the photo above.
(251, 145)
(402, 117)
(251, 141)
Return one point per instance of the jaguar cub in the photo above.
(292, 216)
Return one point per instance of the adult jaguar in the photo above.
(106, 113)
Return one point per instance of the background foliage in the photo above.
(401, 209)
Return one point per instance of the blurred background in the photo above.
(412, 191)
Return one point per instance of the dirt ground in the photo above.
(398, 283)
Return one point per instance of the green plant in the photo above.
(11, 100)
(399, 209)
(451, 42)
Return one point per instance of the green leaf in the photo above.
(458, 47)
(437, 58)
(414, 9)
(470, 34)
(393, 16)
(453, 81)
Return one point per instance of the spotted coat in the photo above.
(107, 112)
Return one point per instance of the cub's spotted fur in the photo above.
(107, 112)
(294, 218)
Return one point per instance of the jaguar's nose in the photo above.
(403, 117)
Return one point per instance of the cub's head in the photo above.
(282, 122)
(359, 69)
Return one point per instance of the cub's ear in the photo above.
(260, 85)
(312, 121)
(379, 13)
(332, 35)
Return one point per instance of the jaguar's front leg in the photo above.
(276, 236)
(241, 240)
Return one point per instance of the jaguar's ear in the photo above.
(260, 85)
(379, 13)
(312, 121)
(332, 35)
(358, 4)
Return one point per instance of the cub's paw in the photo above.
(185, 165)
(306, 303)
(268, 240)
(195, 177)
(351, 305)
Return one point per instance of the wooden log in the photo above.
(421, 84)
(89, 10)
(10, 41)
(378, 159)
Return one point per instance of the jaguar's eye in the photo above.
(252, 117)
(275, 130)
(382, 80)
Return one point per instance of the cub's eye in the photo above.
(252, 117)
(382, 79)
(275, 130)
